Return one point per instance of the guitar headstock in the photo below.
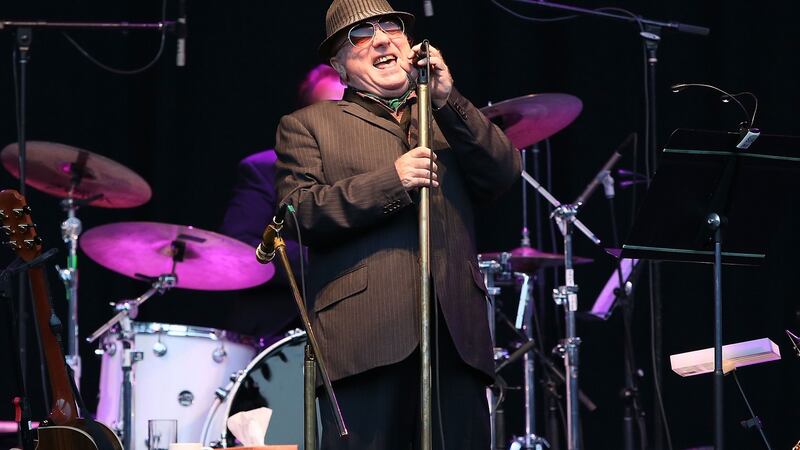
(18, 230)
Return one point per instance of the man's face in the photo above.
(381, 67)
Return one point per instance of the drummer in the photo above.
(269, 309)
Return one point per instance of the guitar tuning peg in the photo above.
(19, 212)
(3, 214)
(7, 230)
(31, 243)
(12, 244)
(23, 227)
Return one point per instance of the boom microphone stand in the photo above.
(313, 355)
(565, 216)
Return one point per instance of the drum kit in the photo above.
(231, 372)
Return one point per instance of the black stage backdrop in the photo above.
(184, 129)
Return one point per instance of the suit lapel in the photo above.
(361, 113)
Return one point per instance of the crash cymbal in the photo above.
(529, 259)
(211, 261)
(532, 118)
(52, 168)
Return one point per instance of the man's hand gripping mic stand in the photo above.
(313, 355)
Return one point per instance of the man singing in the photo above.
(352, 170)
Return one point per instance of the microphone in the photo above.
(605, 172)
(180, 29)
(265, 252)
(427, 6)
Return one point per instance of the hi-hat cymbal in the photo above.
(529, 259)
(211, 261)
(54, 168)
(532, 118)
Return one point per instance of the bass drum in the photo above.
(273, 379)
(175, 379)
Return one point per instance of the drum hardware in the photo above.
(185, 398)
(168, 386)
(127, 310)
(524, 323)
(80, 178)
(795, 340)
(565, 216)
(274, 379)
(219, 354)
(195, 259)
(489, 268)
(159, 349)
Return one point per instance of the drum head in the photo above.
(275, 380)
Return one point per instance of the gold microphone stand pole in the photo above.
(424, 119)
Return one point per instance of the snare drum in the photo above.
(180, 368)
(273, 379)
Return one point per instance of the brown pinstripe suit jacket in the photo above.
(336, 166)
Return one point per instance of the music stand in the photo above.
(705, 188)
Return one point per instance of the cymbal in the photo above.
(52, 167)
(532, 118)
(211, 261)
(529, 259)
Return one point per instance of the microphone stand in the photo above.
(426, 395)
(313, 360)
(630, 393)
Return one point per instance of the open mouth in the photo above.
(384, 62)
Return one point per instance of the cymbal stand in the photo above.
(526, 235)
(530, 441)
(565, 216)
(126, 311)
(489, 269)
(71, 229)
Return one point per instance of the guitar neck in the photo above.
(64, 409)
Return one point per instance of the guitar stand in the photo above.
(22, 407)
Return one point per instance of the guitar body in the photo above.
(85, 434)
(64, 429)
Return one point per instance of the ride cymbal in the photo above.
(529, 259)
(64, 171)
(203, 260)
(532, 118)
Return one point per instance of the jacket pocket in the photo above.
(346, 285)
(477, 277)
